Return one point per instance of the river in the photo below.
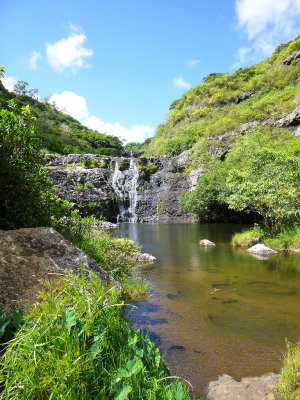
(240, 330)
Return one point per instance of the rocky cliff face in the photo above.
(124, 189)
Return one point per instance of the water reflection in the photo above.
(215, 310)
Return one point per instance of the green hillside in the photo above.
(223, 102)
(229, 126)
(59, 132)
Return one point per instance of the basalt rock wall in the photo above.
(124, 189)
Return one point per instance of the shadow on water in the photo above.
(217, 310)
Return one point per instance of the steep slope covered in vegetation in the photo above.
(264, 92)
(59, 132)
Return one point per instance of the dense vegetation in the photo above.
(223, 102)
(58, 132)
(76, 345)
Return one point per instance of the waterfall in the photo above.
(133, 191)
(124, 184)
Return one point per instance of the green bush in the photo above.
(25, 197)
(146, 170)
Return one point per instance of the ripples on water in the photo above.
(239, 330)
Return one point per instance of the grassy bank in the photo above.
(76, 345)
(289, 381)
(112, 254)
(287, 239)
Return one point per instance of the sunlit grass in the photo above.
(75, 345)
(289, 381)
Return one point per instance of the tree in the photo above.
(25, 197)
(268, 184)
(208, 199)
(21, 88)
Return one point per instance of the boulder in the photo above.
(206, 242)
(258, 388)
(294, 56)
(261, 249)
(290, 120)
(29, 257)
(143, 258)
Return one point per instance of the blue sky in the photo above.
(117, 65)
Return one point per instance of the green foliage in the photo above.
(76, 345)
(25, 197)
(260, 174)
(10, 322)
(59, 132)
(123, 165)
(268, 183)
(214, 108)
(248, 237)
(146, 170)
(208, 200)
(289, 380)
(89, 164)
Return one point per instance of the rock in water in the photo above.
(206, 242)
(261, 249)
(143, 258)
(27, 258)
(227, 388)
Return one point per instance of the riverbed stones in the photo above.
(29, 257)
(261, 249)
(206, 243)
(257, 388)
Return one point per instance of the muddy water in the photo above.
(240, 330)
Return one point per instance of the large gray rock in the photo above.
(226, 388)
(29, 256)
(294, 56)
(261, 249)
(291, 121)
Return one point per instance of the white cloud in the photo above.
(71, 104)
(69, 52)
(34, 59)
(9, 82)
(180, 83)
(192, 63)
(76, 106)
(241, 57)
(267, 23)
(136, 133)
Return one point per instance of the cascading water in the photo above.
(124, 184)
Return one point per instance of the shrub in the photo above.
(25, 197)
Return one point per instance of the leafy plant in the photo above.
(25, 196)
(10, 322)
(76, 344)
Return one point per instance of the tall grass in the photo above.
(112, 254)
(285, 239)
(289, 381)
(75, 345)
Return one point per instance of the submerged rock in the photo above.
(206, 242)
(261, 249)
(257, 388)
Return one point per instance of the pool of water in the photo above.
(239, 330)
